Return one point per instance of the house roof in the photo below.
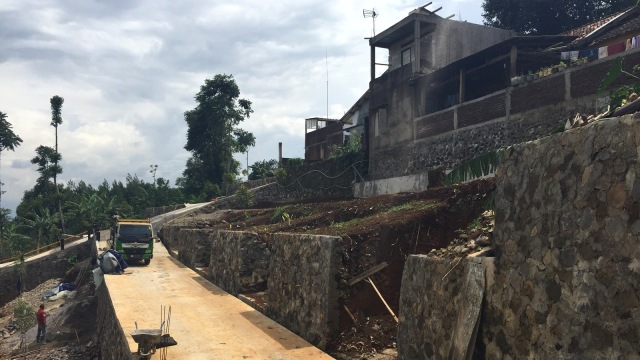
(606, 28)
(404, 28)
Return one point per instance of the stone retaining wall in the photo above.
(303, 286)
(194, 247)
(239, 262)
(111, 337)
(40, 270)
(567, 232)
(565, 283)
(435, 295)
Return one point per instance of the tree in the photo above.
(263, 169)
(548, 17)
(47, 160)
(213, 135)
(8, 141)
(42, 225)
(56, 119)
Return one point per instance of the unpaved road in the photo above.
(206, 322)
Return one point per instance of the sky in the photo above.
(128, 70)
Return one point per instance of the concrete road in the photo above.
(206, 322)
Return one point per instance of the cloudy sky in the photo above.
(128, 70)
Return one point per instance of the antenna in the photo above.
(372, 14)
(326, 64)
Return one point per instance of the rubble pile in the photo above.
(630, 106)
(476, 240)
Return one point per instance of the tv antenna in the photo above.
(372, 14)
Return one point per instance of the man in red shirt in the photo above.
(41, 316)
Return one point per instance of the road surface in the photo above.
(206, 322)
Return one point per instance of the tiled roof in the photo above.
(631, 25)
(587, 29)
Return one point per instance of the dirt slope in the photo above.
(379, 229)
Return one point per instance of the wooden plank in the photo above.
(367, 273)
(383, 301)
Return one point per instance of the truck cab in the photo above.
(133, 239)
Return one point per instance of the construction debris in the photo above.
(632, 105)
(475, 241)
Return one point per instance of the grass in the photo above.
(412, 206)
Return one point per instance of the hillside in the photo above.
(383, 229)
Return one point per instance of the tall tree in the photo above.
(47, 160)
(213, 135)
(56, 119)
(8, 141)
(548, 17)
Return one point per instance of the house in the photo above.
(323, 134)
(456, 90)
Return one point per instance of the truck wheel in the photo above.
(146, 261)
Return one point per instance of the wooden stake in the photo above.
(351, 316)
(381, 298)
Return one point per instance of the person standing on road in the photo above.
(61, 242)
(41, 316)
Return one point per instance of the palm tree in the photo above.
(8, 140)
(56, 119)
(42, 225)
(93, 208)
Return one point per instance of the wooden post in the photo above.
(383, 301)
(514, 61)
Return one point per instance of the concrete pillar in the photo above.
(373, 62)
(514, 61)
(280, 154)
(416, 46)
(462, 86)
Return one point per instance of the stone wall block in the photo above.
(239, 262)
(574, 297)
(303, 285)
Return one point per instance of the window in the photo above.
(380, 121)
(405, 57)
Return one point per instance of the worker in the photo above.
(41, 316)
(61, 242)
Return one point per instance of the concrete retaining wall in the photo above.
(111, 337)
(40, 270)
(239, 262)
(303, 285)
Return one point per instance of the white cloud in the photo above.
(129, 70)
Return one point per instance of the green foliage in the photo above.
(47, 160)
(618, 96)
(414, 205)
(281, 175)
(351, 149)
(245, 198)
(8, 139)
(213, 135)
(72, 261)
(477, 167)
(23, 315)
(263, 169)
(281, 215)
(293, 163)
(548, 17)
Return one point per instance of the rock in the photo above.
(483, 241)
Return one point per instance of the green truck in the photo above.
(133, 239)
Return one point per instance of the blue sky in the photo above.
(128, 70)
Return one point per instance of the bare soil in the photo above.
(374, 230)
